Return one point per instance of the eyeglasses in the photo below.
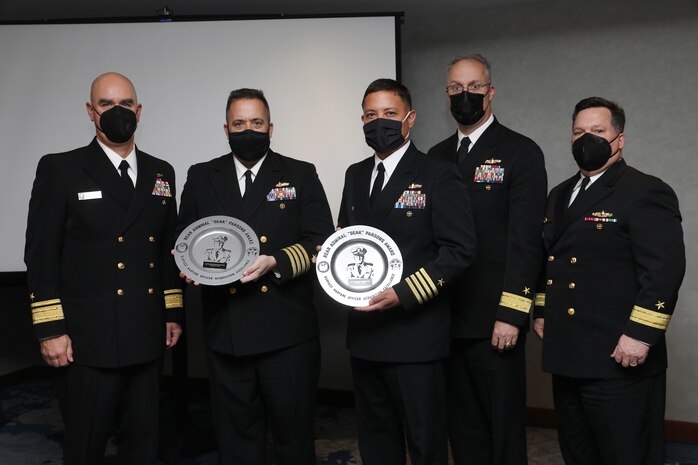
(458, 88)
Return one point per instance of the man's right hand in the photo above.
(57, 351)
(539, 327)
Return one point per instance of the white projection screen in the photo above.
(313, 71)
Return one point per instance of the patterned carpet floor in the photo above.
(31, 430)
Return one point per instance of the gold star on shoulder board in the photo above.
(527, 290)
(31, 297)
(441, 282)
(659, 304)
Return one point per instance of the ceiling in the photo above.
(47, 10)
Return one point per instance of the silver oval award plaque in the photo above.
(216, 250)
(358, 262)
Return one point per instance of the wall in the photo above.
(546, 57)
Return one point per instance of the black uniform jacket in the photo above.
(615, 263)
(437, 243)
(288, 211)
(98, 268)
(505, 175)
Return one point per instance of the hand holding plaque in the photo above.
(356, 263)
(216, 250)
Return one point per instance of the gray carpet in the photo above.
(31, 430)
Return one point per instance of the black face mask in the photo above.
(118, 124)
(384, 135)
(591, 152)
(466, 107)
(249, 145)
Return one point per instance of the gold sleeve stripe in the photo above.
(174, 300)
(408, 280)
(515, 302)
(540, 299)
(650, 318)
(304, 257)
(423, 286)
(429, 280)
(44, 303)
(47, 313)
(173, 291)
(294, 259)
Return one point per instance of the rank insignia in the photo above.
(162, 188)
(601, 217)
(281, 193)
(281, 184)
(413, 199)
(492, 161)
(489, 173)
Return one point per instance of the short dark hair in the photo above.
(247, 94)
(389, 85)
(474, 57)
(617, 113)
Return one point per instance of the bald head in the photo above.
(111, 80)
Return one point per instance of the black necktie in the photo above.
(126, 180)
(463, 150)
(248, 182)
(582, 189)
(377, 184)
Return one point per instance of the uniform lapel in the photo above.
(563, 195)
(145, 181)
(362, 181)
(224, 179)
(398, 182)
(594, 194)
(100, 168)
(484, 149)
(268, 175)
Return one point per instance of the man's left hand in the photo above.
(504, 336)
(261, 266)
(173, 331)
(383, 301)
(630, 352)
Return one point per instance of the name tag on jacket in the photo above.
(89, 195)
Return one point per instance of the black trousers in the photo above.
(94, 400)
(398, 399)
(611, 421)
(279, 387)
(487, 403)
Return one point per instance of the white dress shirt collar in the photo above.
(390, 163)
(116, 159)
(475, 135)
(240, 170)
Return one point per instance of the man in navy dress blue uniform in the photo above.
(261, 332)
(399, 341)
(505, 175)
(615, 261)
(106, 298)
